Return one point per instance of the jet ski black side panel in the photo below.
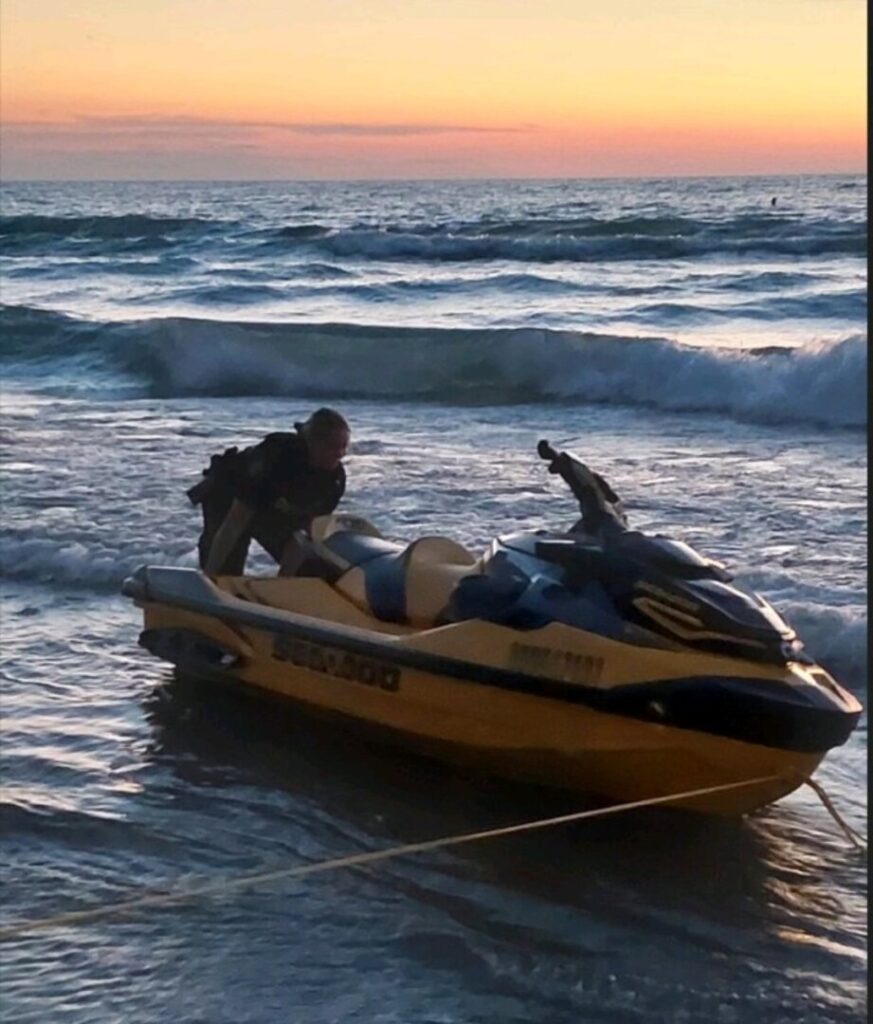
(743, 709)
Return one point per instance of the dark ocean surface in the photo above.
(702, 348)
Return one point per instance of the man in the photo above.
(269, 491)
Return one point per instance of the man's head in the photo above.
(327, 438)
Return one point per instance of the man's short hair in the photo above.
(324, 423)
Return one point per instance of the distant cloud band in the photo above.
(151, 126)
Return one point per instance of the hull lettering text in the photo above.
(339, 664)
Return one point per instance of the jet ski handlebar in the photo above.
(599, 504)
(546, 451)
(566, 467)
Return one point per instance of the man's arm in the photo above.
(329, 502)
(236, 521)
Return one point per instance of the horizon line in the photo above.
(405, 178)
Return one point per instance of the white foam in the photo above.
(834, 635)
(92, 565)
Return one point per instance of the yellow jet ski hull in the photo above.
(474, 693)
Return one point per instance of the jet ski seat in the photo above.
(344, 541)
(394, 582)
(412, 585)
(433, 568)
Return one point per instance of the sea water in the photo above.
(699, 345)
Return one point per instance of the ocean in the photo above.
(699, 345)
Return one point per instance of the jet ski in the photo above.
(600, 659)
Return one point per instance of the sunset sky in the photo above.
(230, 89)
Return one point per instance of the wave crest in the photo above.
(820, 384)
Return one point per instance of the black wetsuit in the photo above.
(275, 480)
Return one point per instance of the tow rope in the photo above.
(156, 899)
(855, 838)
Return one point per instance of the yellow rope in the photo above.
(77, 917)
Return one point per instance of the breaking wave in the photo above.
(822, 384)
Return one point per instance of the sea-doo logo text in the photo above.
(340, 664)
(566, 665)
